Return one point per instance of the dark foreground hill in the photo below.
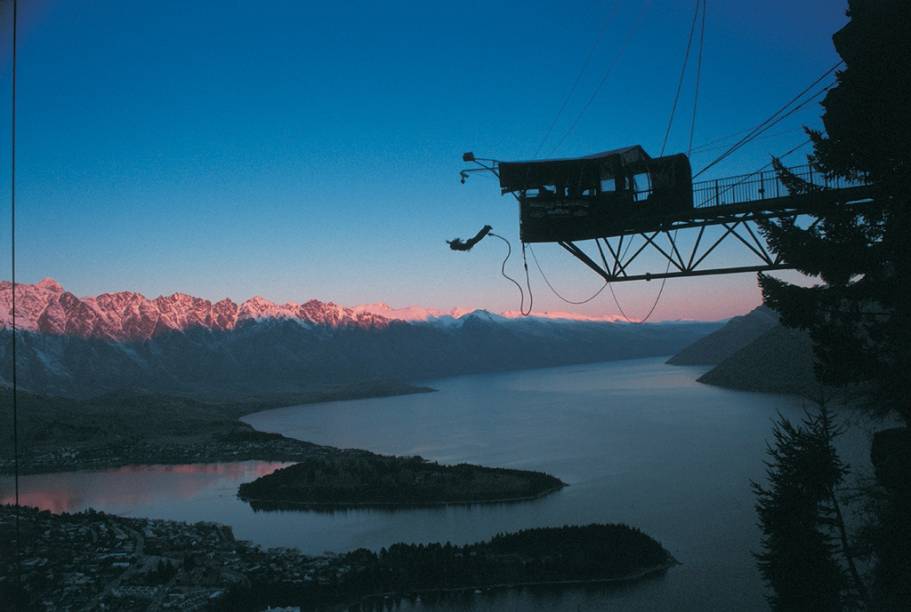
(778, 361)
(62, 434)
(754, 352)
(724, 342)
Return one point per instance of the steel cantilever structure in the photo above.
(733, 204)
(621, 196)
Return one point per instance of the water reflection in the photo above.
(124, 489)
(638, 442)
(387, 508)
(591, 596)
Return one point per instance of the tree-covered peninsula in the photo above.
(365, 479)
(556, 556)
(92, 560)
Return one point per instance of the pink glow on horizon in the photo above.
(410, 313)
(418, 314)
(563, 315)
(118, 489)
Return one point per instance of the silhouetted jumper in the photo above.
(457, 244)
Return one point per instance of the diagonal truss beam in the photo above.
(615, 262)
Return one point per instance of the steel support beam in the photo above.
(614, 264)
(647, 276)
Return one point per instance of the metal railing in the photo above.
(763, 185)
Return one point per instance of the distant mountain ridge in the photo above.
(724, 342)
(46, 307)
(80, 347)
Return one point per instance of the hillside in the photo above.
(724, 342)
(778, 361)
(61, 434)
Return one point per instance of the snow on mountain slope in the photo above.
(81, 347)
(411, 313)
(46, 307)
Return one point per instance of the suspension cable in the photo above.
(755, 172)
(689, 147)
(719, 143)
(779, 115)
(557, 293)
(686, 61)
(514, 281)
(616, 60)
(755, 135)
(667, 268)
(774, 118)
(531, 296)
(698, 4)
(575, 85)
(13, 307)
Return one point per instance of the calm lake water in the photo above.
(639, 442)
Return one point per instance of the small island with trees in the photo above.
(561, 556)
(359, 478)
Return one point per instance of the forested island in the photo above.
(93, 560)
(365, 479)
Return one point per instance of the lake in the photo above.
(639, 442)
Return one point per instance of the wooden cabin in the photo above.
(597, 195)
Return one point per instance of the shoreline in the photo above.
(143, 465)
(632, 577)
(394, 505)
(214, 435)
(139, 462)
(241, 572)
(152, 451)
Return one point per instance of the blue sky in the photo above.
(302, 150)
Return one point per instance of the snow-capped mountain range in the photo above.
(46, 307)
(72, 346)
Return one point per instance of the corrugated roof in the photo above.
(516, 175)
(630, 153)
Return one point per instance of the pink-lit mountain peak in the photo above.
(49, 284)
(126, 315)
(47, 307)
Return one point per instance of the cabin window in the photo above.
(608, 185)
(544, 191)
(642, 186)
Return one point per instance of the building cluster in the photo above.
(100, 456)
(98, 561)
